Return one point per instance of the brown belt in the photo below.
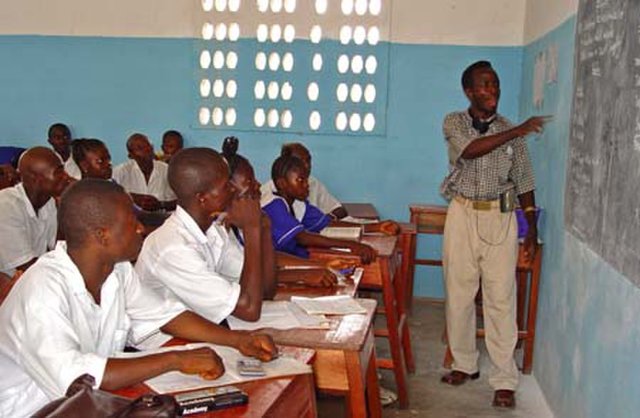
(478, 204)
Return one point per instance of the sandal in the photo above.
(504, 398)
(457, 378)
(387, 396)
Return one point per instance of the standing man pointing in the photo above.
(490, 166)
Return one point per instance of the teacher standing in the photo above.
(490, 166)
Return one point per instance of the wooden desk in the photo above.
(384, 275)
(430, 219)
(361, 210)
(290, 397)
(345, 362)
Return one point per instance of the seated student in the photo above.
(8, 164)
(8, 176)
(172, 142)
(295, 227)
(75, 309)
(193, 257)
(28, 209)
(290, 268)
(319, 196)
(144, 178)
(94, 160)
(59, 136)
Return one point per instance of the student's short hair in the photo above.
(467, 75)
(80, 147)
(192, 170)
(284, 164)
(135, 136)
(174, 133)
(287, 148)
(57, 126)
(230, 154)
(85, 205)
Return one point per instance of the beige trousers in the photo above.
(481, 243)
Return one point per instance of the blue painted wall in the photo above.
(110, 87)
(588, 334)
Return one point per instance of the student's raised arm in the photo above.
(245, 214)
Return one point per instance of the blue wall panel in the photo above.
(110, 87)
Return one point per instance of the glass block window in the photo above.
(313, 66)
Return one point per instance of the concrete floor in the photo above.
(430, 398)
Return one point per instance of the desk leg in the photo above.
(532, 313)
(373, 390)
(363, 378)
(395, 342)
(408, 250)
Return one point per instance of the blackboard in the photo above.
(602, 206)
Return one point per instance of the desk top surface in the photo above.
(346, 332)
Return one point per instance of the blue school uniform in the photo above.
(287, 223)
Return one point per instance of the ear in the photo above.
(103, 236)
(83, 166)
(468, 93)
(281, 183)
(200, 198)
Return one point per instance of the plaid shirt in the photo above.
(484, 178)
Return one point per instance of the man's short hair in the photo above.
(467, 75)
(86, 205)
(192, 170)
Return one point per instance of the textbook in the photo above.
(351, 233)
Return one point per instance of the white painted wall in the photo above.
(460, 22)
(544, 15)
(136, 18)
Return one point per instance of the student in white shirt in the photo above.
(145, 178)
(28, 225)
(194, 257)
(319, 195)
(59, 136)
(75, 309)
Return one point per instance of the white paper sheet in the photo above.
(280, 315)
(177, 382)
(329, 305)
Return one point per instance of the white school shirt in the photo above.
(72, 169)
(130, 177)
(24, 234)
(53, 331)
(70, 166)
(319, 196)
(202, 270)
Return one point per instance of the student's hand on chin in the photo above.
(260, 346)
(201, 361)
(244, 212)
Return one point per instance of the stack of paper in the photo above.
(329, 305)
(177, 381)
(341, 232)
(280, 315)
